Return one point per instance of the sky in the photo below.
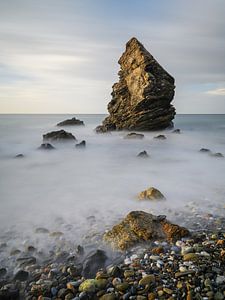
(61, 56)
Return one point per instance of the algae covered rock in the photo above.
(151, 194)
(139, 226)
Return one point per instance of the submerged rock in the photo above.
(71, 122)
(21, 275)
(176, 131)
(134, 135)
(19, 155)
(218, 154)
(151, 194)
(81, 144)
(160, 137)
(58, 136)
(143, 154)
(205, 150)
(139, 226)
(46, 146)
(141, 99)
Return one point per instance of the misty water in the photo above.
(81, 192)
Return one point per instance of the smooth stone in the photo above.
(46, 146)
(218, 296)
(143, 154)
(134, 135)
(116, 281)
(128, 273)
(87, 286)
(110, 296)
(160, 137)
(122, 287)
(81, 144)
(191, 257)
(19, 155)
(147, 280)
(101, 283)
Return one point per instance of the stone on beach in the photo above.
(71, 122)
(82, 144)
(139, 226)
(60, 135)
(141, 99)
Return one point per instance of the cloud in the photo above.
(217, 92)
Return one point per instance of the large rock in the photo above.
(93, 262)
(58, 136)
(141, 99)
(139, 226)
(71, 122)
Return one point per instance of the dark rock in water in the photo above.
(143, 154)
(139, 226)
(3, 272)
(81, 144)
(21, 275)
(134, 135)
(218, 154)
(46, 146)
(160, 137)
(71, 122)
(80, 250)
(93, 262)
(176, 131)
(204, 150)
(58, 136)
(19, 155)
(9, 292)
(26, 261)
(141, 99)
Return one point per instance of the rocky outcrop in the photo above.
(58, 136)
(71, 122)
(141, 99)
(139, 226)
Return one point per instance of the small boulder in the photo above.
(71, 122)
(60, 135)
(160, 137)
(134, 135)
(81, 144)
(139, 226)
(93, 262)
(143, 154)
(3, 272)
(46, 146)
(151, 194)
(176, 131)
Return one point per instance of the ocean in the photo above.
(66, 189)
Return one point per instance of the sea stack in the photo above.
(141, 100)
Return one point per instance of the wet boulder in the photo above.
(93, 262)
(151, 194)
(59, 135)
(139, 226)
(160, 137)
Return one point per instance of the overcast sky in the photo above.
(60, 56)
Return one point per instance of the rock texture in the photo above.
(151, 194)
(141, 99)
(139, 226)
(59, 135)
(71, 122)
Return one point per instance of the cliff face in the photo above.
(141, 99)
